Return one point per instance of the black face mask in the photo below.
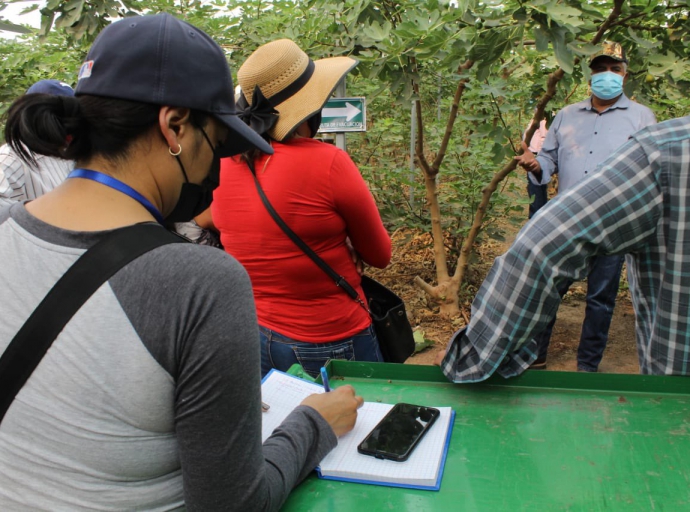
(314, 122)
(194, 198)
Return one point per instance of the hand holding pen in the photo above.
(338, 407)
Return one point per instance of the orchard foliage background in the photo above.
(475, 74)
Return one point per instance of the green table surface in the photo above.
(542, 441)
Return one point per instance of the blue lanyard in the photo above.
(111, 182)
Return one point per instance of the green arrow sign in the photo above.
(344, 115)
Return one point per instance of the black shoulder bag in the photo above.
(82, 279)
(386, 309)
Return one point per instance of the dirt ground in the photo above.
(413, 256)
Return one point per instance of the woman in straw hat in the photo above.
(149, 397)
(319, 193)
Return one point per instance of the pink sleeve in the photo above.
(537, 141)
(355, 204)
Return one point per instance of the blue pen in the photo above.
(324, 378)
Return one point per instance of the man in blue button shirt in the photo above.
(581, 137)
(635, 203)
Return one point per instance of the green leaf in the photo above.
(74, 4)
(46, 21)
(498, 153)
(11, 27)
(408, 30)
(68, 19)
(541, 39)
(583, 49)
(489, 49)
(521, 15)
(641, 41)
(420, 342)
(563, 54)
(376, 31)
(665, 63)
(564, 15)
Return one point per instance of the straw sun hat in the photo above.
(282, 87)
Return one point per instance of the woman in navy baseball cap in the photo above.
(149, 397)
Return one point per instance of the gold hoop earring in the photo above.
(178, 151)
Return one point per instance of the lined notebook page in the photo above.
(284, 392)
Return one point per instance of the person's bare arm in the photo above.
(205, 220)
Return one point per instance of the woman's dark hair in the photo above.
(77, 128)
(253, 154)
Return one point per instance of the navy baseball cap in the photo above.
(162, 60)
(54, 87)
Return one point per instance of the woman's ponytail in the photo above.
(45, 124)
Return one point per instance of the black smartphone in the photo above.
(399, 432)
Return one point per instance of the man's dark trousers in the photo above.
(538, 192)
(602, 288)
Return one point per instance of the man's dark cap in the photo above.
(161, 60)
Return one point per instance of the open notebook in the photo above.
(423, 470)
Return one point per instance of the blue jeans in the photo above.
(602, 288)
(540, 197)
(281, 352)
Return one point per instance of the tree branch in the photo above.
(494, 102)
(631, 17)
(460, 270)
(419, 144)
(569, 95)
(451, 117)
(373, 152)
(615, 12)
(509, 71)
(424, 286)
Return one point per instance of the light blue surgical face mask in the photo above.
(607, 85)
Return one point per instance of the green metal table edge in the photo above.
(611, 382)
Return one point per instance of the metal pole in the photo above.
(413, 139)
(438, 99)
(340, 137)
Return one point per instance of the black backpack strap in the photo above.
(339, 280)
(81, 280)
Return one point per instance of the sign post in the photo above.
(344, 115)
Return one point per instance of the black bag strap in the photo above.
(82, 279)
(339, 280)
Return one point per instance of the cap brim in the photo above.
(615, 57)
(241, 137)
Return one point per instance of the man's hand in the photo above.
(439, 358)
(527, 161)
(338, 408)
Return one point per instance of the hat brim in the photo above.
(603, 55)
(241, 138)
(312, 97)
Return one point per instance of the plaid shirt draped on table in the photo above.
(636, 203)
